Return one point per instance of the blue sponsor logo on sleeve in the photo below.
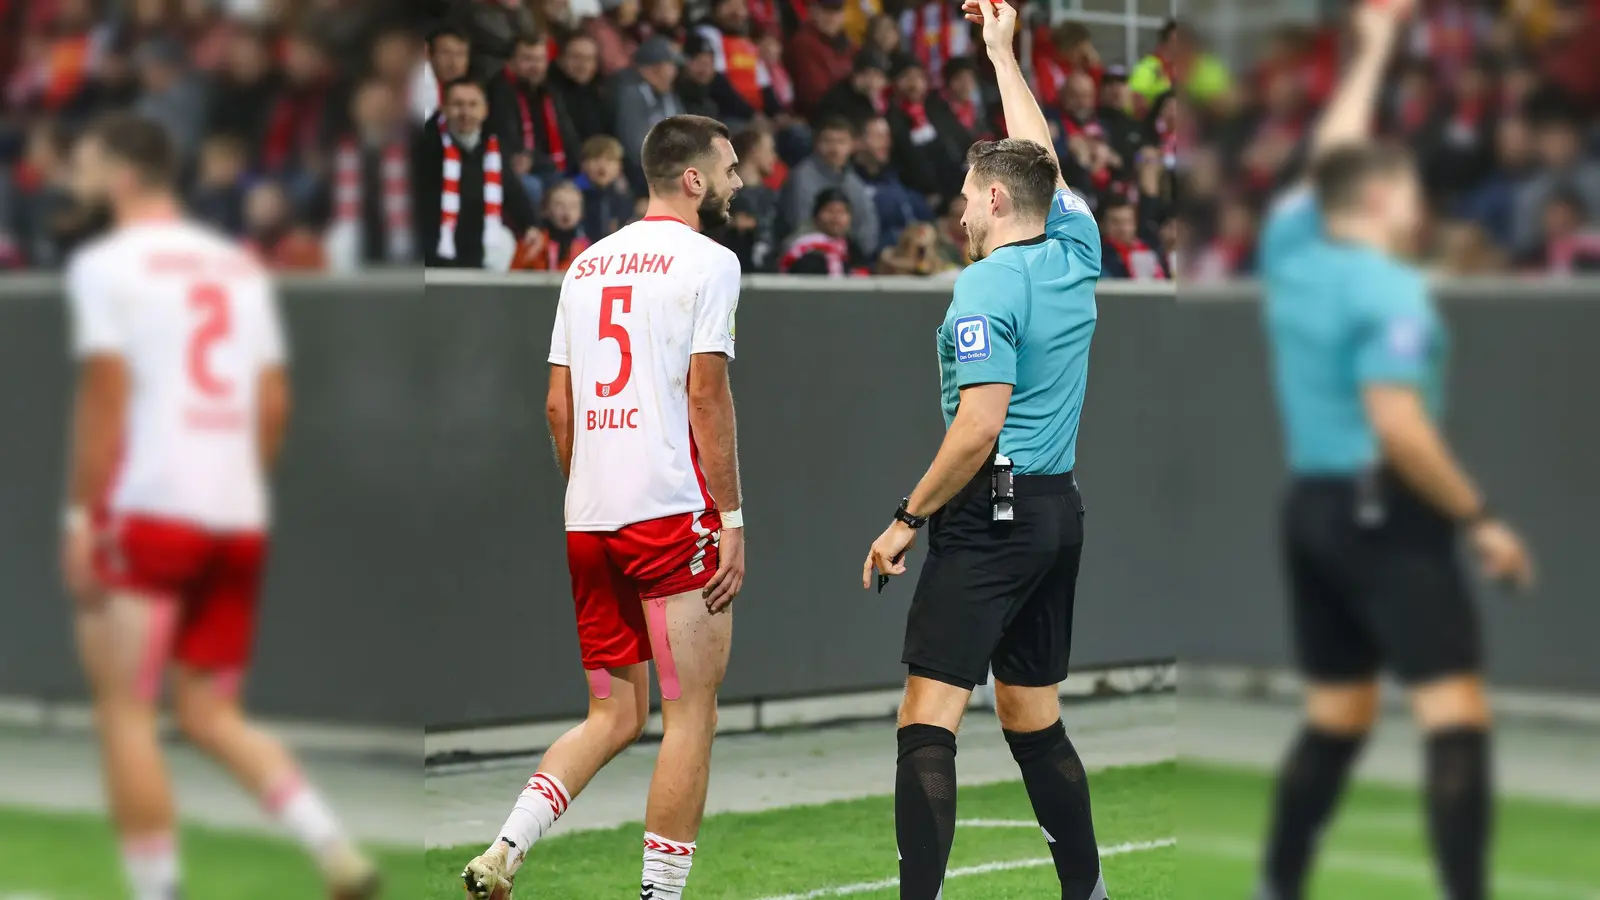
(1067, 202)
(972, 339)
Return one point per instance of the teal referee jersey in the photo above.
(1340, 316)
(1024, 316)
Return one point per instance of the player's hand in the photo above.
(1503, 555)
(726, 584)
(77, 564)
(999, 20)
(1376, 21)
(887, 555)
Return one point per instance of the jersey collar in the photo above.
(1025, 242)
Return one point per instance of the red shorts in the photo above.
(207, 584)
(614, 572)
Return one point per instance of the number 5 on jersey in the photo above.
(609, 328)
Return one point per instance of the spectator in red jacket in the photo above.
(820, 54)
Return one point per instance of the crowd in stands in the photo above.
(506, 133)
(1497, 102)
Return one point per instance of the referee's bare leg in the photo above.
(691, 647)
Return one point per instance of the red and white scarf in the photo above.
(396, 195)
(836, 251)
(552, 123)
(1140, 262)
(936, 34)
(450, 202)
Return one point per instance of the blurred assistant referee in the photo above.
(1000, 500)
(1376, 500)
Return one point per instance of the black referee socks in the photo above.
(924, 808)
(1059, 791)
(1309, 786)
(1459, 809)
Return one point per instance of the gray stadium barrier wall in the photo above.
(419, 572)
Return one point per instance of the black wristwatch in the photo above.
(910, 521)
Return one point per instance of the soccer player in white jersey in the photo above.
(181, 407)
(642, 419)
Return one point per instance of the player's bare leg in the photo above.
(123, 644)
(619, 706)
(925, 783)
(1056, 783)
(691, 648)
(209, 713)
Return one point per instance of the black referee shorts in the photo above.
(999, 594)
(1383, 591)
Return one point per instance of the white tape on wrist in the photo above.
(733, 519)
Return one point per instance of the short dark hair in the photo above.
(677, 143)
(1339, 177)
(141, 143)
(836, 123)
(466, 82)
(747, 140)
(829, 195)
(447, 30)
(1026, 168)
(534, 38)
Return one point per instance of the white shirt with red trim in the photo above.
(195, 320)
(634, 307)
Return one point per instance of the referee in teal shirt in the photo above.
(1376, 500)
(1000, 501)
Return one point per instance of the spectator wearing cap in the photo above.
(449, 61)
(742, 87)
(1060, 52)
(1127, 256)
(645, 96)
(576, 81)
(612, 31)
(531, 118)
(370, 221)
(930, 144)
(828, 168)
(697, 78)
(826, 247)
(863, 95)
(819, 55)
(1124, 133)
(242, 89)
(1558, 142)
(758, 159)
(466, 208)
(897, 206)
(171, 93)
(607, 205)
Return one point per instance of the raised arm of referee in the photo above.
(1376, 499)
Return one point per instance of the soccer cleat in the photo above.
(350, 875)
(486, 878)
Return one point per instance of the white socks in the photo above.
(151, 864)
(301, 810)
(538, 807)
(666, 868)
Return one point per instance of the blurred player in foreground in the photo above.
(1001, 502)
(181, 409)
(1376, 500)
(642, 418)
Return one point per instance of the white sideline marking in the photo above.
(1398, 869)
(986, 868)
(996, 823)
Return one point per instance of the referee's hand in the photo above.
(1504, 557)
(888, 553)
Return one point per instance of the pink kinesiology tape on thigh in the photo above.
(599, 683)
(666, 668)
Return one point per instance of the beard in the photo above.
(714, 211)
(976, 235)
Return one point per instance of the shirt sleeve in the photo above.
(560, 354)
(1395, 329)
(985, 325)
(1293, 221)
(96, 322)
(715, 310)
(1071, 220)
